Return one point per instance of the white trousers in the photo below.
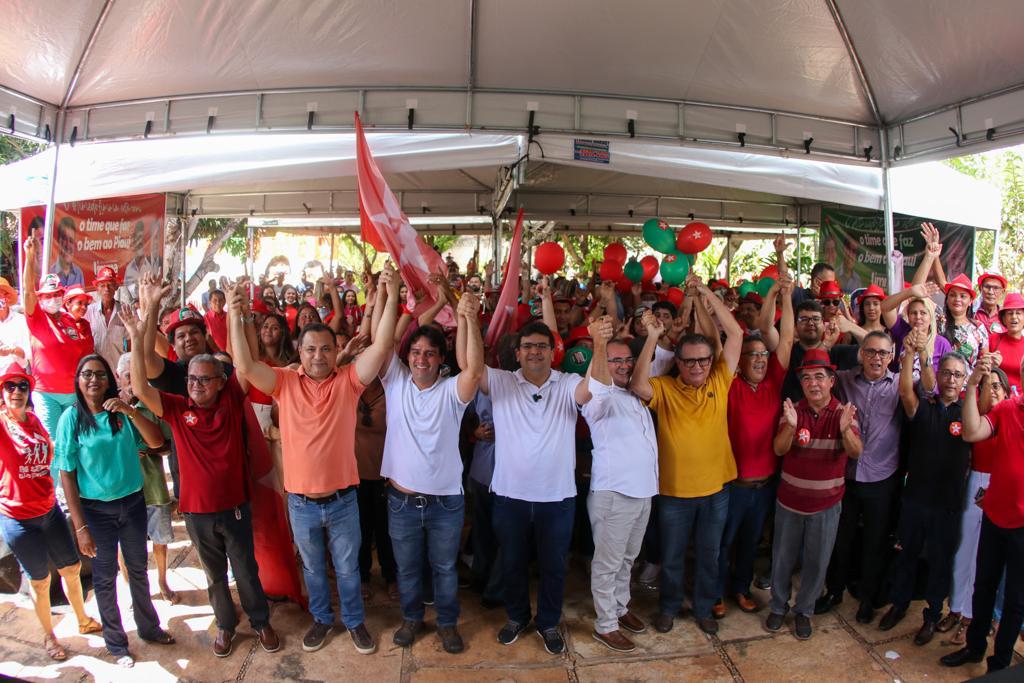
(618, 523)
(962, 590)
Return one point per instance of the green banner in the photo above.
(854, 243)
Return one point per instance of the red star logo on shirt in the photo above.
(803, 437)
(191, 419)
(955, 428)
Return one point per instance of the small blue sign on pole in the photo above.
(594, 151)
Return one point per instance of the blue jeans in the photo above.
(114, 523)
(339, 518)
(37, 541)
(677, 518)
(521, 525)
(433, 522)
(748, 510)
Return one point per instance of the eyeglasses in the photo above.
(11, 387)
(626, 360)
(201, 380)
(757, 354)
(946, 374)
(876, 353)
(992, 288)
(530, 346)
(830, 302)
(690, 362)
(93, 374)
(804, 319)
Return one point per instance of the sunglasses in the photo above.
(690, 362)
(830, 302)
(11, 387)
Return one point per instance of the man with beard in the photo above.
(872, 480)
(754, 399)
(621, 487)
(810, 329)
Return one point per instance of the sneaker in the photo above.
(406, 633)
(451, 641)
(362, 639)
(763, 581)
(125, 661)
(316, 636)
(802, 627)
(774, 622)
(615, 641)
(509, 633)
(553, 641)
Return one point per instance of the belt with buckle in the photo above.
(337, 495)
(748, 484)
(418, 500)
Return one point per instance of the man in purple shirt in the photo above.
(871, 481)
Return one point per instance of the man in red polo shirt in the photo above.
(992, 287)
(208, 428)
(815, 438)
(1001, 547)
(754, 399)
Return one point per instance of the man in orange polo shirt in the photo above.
(317, 405)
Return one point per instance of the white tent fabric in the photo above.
(776, 54)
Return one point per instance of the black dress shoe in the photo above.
(865, 613)
(961, 657)
(925, 634)
(825, 603)
(890, 619)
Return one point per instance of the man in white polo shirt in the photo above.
(624, 478)
(534, 480)
(424, 468)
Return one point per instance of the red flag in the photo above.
(383, 221)
(505, 311)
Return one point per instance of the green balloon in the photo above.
(674, 268)
(633, 271)
(746, 288)
(763, 285)
(659, 235)
(577, 359)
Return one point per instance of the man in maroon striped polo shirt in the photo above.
(815, 438)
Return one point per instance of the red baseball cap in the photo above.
(106, 274)
(184, 316)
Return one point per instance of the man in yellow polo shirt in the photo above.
(695, 460)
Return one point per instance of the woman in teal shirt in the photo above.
(98, 443)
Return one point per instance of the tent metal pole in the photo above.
(184, 250)
(332, 255)
(51, 204)
(890, 238)
(496, 252)
(250, 265)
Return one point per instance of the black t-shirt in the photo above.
(843, 356)
(173, 378)
(937, 456)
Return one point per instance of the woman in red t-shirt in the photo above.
(1010, 344)
(32, 525)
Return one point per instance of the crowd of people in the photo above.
(647, 434)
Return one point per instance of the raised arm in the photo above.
(705, 323)
(547, 304)
(601, 331)
(150, 295)
(250, 369)
(339, 310)
(149, 396)
(733, 332)
(148, 430)
(370, 315)
(640, 382)
(468, 336)
(787, 323)
(908, 395)
(374, 359)
(30, 276)
(932, 250)
(976, 427)
(766, 318)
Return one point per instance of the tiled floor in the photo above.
(840, 650)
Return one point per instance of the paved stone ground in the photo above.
(840, 650)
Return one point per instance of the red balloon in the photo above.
(610, 270)
(549, 258)
(559, 351)
(771, 271)
(693, 238)
(675, 295)
(616, 251)
(651, 265)
(623, 286)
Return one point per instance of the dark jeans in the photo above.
(998, 550)
(935, 531)
(748, 510)
(373, 524)
(518, 523)
(114, 523)
(873, 502)
(678, 518)
(431, 526)
(652, 537)
(486, 565)
(219, 537)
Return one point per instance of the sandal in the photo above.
(960, 636)
(948, 622)
(54, 650)
(90, 626)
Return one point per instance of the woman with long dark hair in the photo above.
(98, 443)
(965, 334)
(31, 523)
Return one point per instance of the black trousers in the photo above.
(936, 532)
(873, 503)
(373, 523)
(998, 549)
(219, 537)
